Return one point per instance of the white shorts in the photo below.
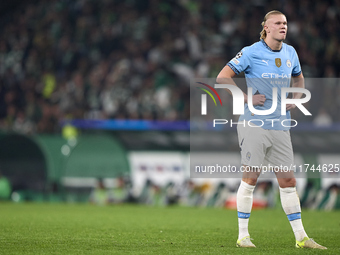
(263, 147)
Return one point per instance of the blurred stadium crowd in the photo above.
(206, 194)
(99, 59)
(189, 193)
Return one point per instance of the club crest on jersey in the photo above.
(278, 62)
(288, 63)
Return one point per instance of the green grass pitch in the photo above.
(29, 228)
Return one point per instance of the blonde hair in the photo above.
(263, 33)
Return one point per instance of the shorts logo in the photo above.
(288, 63)
(278, 62)
(248, 156)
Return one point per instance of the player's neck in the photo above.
(273, 44)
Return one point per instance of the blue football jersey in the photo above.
(265, 69)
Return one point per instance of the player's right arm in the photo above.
(225, 77)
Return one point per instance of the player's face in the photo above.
(277, 27)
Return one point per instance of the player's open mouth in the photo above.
(283, 32)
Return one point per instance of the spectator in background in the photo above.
(322, 119)
(120, 193)
(5, 188)
(171, 194)
(100, 195)
(327, 199)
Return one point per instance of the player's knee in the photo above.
(287, 182)
(250, 181)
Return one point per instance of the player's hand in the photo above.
(290, 107)
(259, 99)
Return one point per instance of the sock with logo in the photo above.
(244, 205)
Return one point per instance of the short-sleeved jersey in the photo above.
(264, 69)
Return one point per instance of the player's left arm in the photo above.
(298, 82)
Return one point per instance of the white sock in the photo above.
(291, 205)
(244, 205)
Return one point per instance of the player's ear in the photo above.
(266, 28)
